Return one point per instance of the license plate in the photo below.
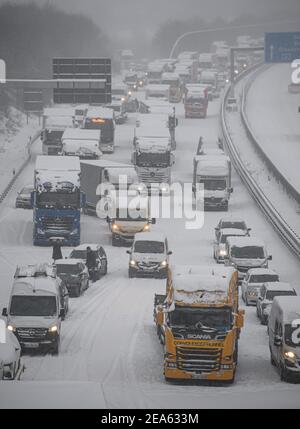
(199, 376)
(31, 345)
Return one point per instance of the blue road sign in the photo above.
(282, 47)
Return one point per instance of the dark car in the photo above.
(79, 252)
(23, 199)
(74, 275)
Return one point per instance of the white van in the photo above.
(34, 313)
(284, 336)
(246, 252)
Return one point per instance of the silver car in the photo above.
(254, 280)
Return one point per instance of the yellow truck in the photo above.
(198, 321)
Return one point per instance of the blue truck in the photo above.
(57, 200)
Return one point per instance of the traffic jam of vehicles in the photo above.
(83, 175)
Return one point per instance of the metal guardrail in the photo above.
(17, 174)
(290, 238)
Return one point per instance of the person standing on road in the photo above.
(91, 263)
(56, 250)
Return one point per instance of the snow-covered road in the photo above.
(109, 336)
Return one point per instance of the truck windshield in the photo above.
(248, 252)
(270, 295)
(153, 159)
(149, 247)
(39, 306)
(50, 136)
(57, 200)
(202, 319)
(67, 269)
(291, 335)
(213, 184)
(264, 278)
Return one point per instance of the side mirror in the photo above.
(129, 252)
(4, 312)
(277, 341)
(170, 252)
(153, 221)
(108, 219)
(82, 199)
(249, 229)
(62, 314)
(270, 257)
(32, 198)
(231, 190)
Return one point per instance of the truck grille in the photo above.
(31, 333)
(242, 269)
(198, 360)
(156, 177)
(58, 223)
(148, 264)
(212, 200)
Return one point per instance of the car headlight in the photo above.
(53, 329)
(115, 227)
(289, 355)
(163, 264)
(141, 82)
(11, 328)
(132, 263)
(223, 252)
(146, 227)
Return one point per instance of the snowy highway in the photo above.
(109, 336)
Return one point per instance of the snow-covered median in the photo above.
(15, 136)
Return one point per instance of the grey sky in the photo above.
(122, 17)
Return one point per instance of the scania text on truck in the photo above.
(214, 173)
(198, 321)
(100, 118)
(55, 121)
(57, 200)
(103, 172)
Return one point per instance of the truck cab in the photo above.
(214, 173)
(153, 159)
(100, 118)
(82, 143)
(195, 103)
(57, 200)
(198, 322)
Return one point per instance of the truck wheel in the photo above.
(56, 347)
(77, 291)
(283, 373)
(263, 320)
(114, 242)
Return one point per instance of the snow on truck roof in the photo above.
(81, 134)
(233, 231)
(205, 289)
(289, 306)
(153, 145)
(104, 163)
(213, 270)
(101, 112)
(245, 242)
(217, 165)
(129, 172)
(57, 163)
